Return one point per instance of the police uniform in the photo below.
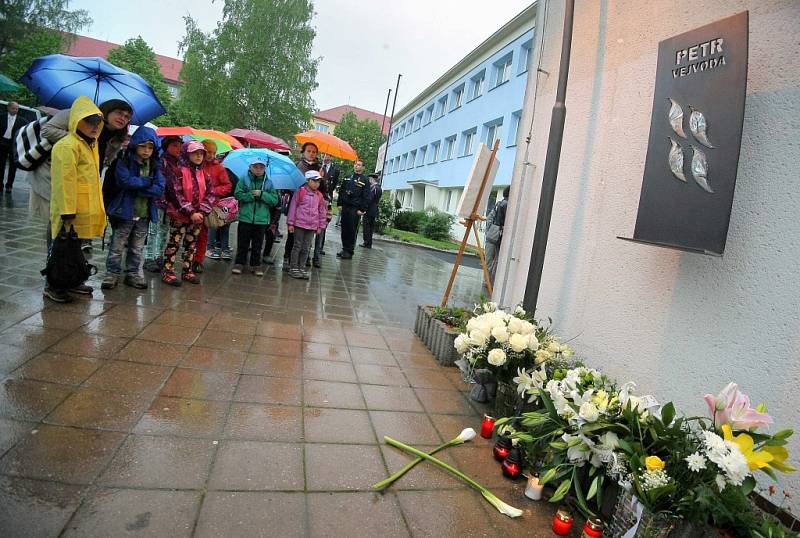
(353, 197)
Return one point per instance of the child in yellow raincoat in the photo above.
(76, 197)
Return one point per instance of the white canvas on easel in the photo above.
(473, 185)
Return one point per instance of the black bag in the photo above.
(67, 267)
(110, 186)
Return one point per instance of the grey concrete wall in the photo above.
(678, 324)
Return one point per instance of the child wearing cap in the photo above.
(257, 198)
(218, 238)
(139, 184)
(190, 197)
(157, 234)
(307, 218)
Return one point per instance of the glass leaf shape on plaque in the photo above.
(699, 127)
(676, 160)
(676, 117)
(700, 168)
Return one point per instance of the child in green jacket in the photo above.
(257, 197)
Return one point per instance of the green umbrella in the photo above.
(8, 85)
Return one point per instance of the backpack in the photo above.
(67, 267)
(224, 212)
(30, 148)
(110, 186)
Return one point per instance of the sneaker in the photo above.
(83, 289)
(227, 255)
(317, 264)
(197, 268)
(152, 266)
(296, 273)
(191, 277)
(109, 282)
(170, 278)
(322, 252)
(215, 254)
(59, 296)
(87, 249)
(306, 275)
(258, 271)
(135, 282)
(237, 269)
(345, 256)
(308, 263)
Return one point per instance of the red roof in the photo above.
(87, 46)
(335, 114)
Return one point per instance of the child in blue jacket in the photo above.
(138, 184)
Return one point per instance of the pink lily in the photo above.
(732, 407)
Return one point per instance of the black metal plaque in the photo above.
(695, 137)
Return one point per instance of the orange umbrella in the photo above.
(329, 144)
(224, 140)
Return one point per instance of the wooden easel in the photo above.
(469, 225)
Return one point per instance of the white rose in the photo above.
(554, 347)
(478, 337)
(500, 334)
(497, 357)
(527, 327)
(533, 342)
(515, 325)
(519, 311)
(461, 343)
(518, 342)
(588, 412)
(542, 355)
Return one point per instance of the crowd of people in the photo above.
(159, 197)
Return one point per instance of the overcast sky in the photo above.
(363, 45)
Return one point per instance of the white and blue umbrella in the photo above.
(281, 170)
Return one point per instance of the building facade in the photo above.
(679, 324)
(327, 120)
(434, 138)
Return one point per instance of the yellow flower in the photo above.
(756, 459)
(779, 455)
(654, 463)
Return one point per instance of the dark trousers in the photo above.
(269, 242)
(249, 239)
(349, 228)
(319, 245)
(288, 246)
(369, 229)
(7, 156)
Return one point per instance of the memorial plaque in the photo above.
(695, 137)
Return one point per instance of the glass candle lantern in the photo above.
(501, 448)
(487, 427)
(512, 464)
(593, 528)
(562, 522)
(533, 490)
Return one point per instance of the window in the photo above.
(469, 141)
(502, 69)
(442, 106)
(429, 114)
(418, 121)
(449, 147)
(525, 56)
(448, 200)
(421, 155)
(321, 127)
(514, 128)
(458, 97)
(434, 152)
(477, 85)
(408, 126)
(412, 157)
(403, 161)
(492, 131)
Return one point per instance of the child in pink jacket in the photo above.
(307, 218)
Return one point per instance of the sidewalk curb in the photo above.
(386, 239)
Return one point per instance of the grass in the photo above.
(411, 237)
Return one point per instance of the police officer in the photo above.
(353, 202)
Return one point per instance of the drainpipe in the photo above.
(391, 122)
(550, 173)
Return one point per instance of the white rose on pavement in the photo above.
(497, 357)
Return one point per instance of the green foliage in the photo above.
(385, 213)
(410, 221)
(437, 225)
(254, 70)
(454, 316)
(364, 136)
(137, 56)
(33, 28)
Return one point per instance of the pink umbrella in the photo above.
(259, 138)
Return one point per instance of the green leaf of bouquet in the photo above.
(501, 421)
(668, 413)
(776, 442)
(593, 488)
(784, 434)
(548, 476)
(748, 485)
(548, 403)
(558, 445)
(561, 490)
(770, 473)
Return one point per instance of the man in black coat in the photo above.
(331, 175)
(354, 202)
(375, 193)
(9, 125)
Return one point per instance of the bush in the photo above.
(437, 226)
(410, 221)
(385, 212)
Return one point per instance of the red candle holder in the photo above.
(487, 427)
(562, 522)
(593, 528)
(501, 448)
(511, 465)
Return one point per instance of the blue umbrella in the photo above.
(57, 80)
(281, 170)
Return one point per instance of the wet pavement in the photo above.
(243, 406)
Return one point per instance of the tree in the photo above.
(255, 69)
(33, 28)
(365, 136)
(137, 56)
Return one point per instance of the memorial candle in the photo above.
(501, 448)
(533, 491)
(487, 426)
(593, 528)
(562, 522)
